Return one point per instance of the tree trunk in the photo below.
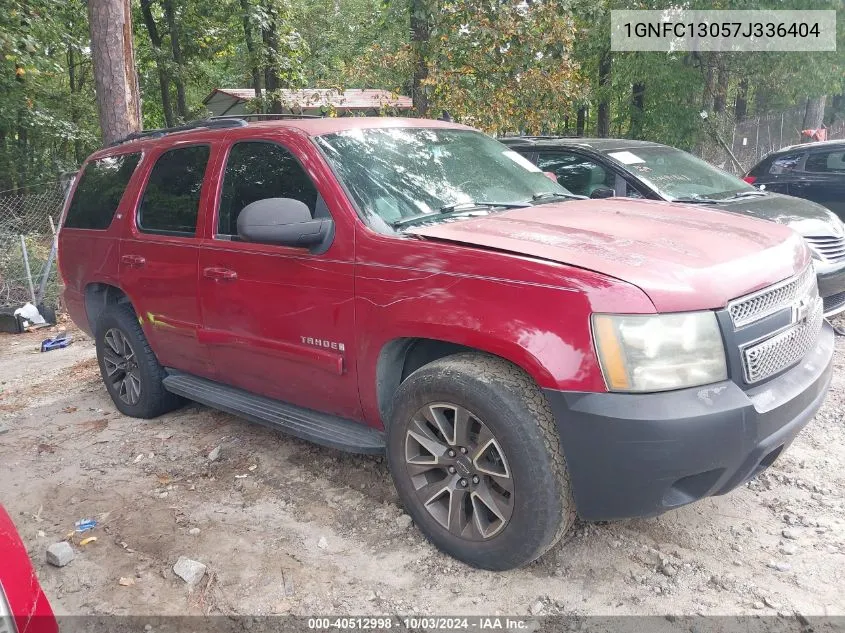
(637, 109)
(814, 112)
(255, 70)
(709, 71)
(270, 38)
(75, 86)
(118, 103)
(163, 79)
(720, 97)
(6, 179)
(603, 115)
(176, 48)
(580, 121)
(741, 105)
(836, 109)
(420, 36)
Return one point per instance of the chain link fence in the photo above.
(751, 139)
(28, 218)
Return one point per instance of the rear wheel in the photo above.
(130, 370)
(476, 459)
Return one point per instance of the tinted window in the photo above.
(171, 199)
(256, 171)
(826, 162)
(99, 192)
(786, 163)
(578, 174)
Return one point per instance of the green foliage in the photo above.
(503, 65)
(45, 123)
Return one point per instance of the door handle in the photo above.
(220, 274)
(134, 261)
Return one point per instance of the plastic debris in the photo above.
(30, 313)
(57, 342)
(85, 541)
(83, 525)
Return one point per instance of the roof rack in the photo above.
(266, 116)
(210, 124)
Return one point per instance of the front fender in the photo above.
(541, 329)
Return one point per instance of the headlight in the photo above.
(658, 352)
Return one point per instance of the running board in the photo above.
(320, 428)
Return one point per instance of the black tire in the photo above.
(153, 399)
(501, 396)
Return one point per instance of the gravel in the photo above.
(259, 535)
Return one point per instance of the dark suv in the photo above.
(416, 288)
(603, 167)
(813, 171)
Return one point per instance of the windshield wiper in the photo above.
(747, 194)
(694, 200)
(549, 196)
(451, 210)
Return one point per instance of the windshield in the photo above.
(674, 174)
(394, 174)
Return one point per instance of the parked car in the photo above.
(813, 171)
(601, 168)
(23, 606)
(416, 288)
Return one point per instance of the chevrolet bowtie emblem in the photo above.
(800, 311)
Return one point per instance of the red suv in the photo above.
(417, 288)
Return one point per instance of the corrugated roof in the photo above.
(362, 99)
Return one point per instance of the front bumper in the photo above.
(831, 279)
(633, 455)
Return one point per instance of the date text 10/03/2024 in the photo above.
(428, 623)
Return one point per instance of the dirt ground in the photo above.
(287, 527)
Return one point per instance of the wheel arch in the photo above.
(100, 295)
(400, 357)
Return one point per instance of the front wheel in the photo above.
(476, 459)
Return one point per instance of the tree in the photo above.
(178, 60)
(421, 14)
(814, 112)
(110, 23)
(505, 66)
(160, 61)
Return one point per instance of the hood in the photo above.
(803, 216)
(681, 257)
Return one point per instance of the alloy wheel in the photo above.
(121, 366)
(459, 471)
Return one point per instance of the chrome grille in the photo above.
(829, 248)
(782, 350)
(769, 300)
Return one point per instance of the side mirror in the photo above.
(603, 192)
(286, 222)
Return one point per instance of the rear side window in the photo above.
(259, 170)
(100, 189)
(785, 164)
(172, 197)
(826, 162)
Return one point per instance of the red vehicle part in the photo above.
(27, 604)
